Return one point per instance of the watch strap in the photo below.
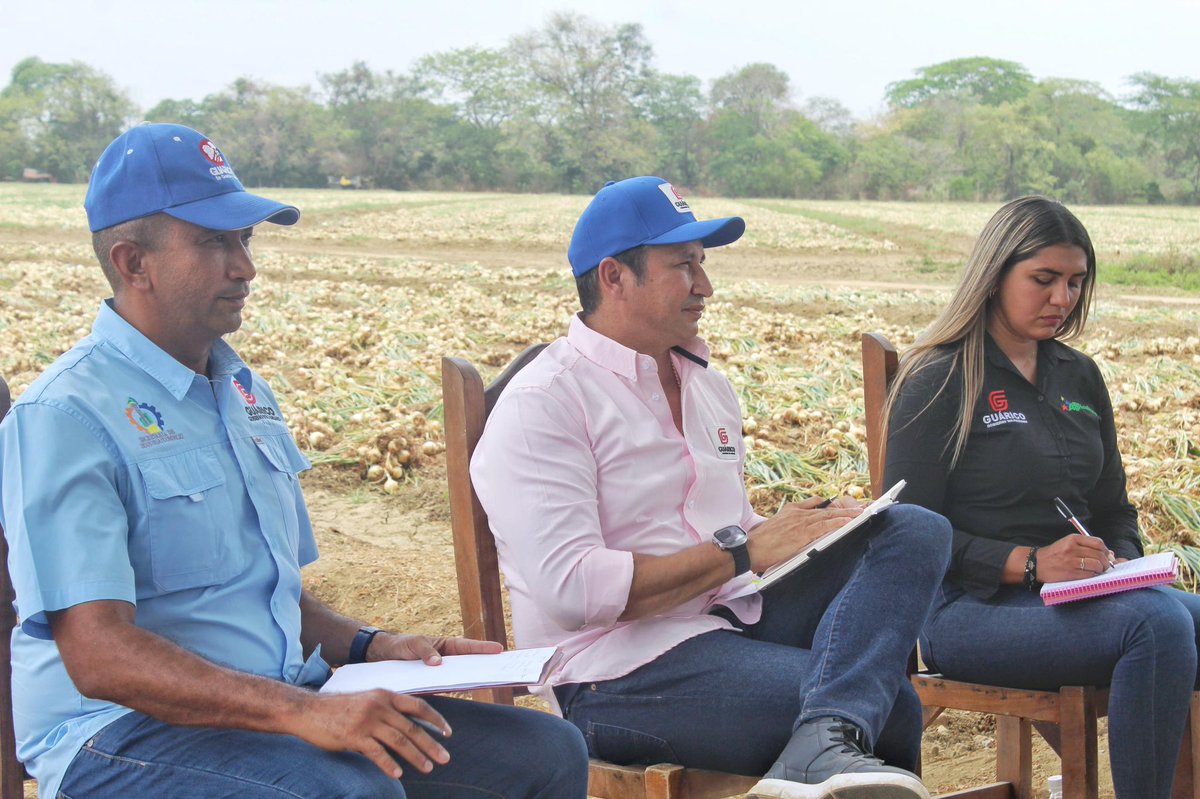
(362, 640)
(741, 559)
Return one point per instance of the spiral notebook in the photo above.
(1159, 569)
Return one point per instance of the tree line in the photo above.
(573, 103)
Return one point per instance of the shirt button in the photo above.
(1041, 398)
(645, 366)
(691, 503)
(654, 397)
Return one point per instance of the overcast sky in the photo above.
(846, 49)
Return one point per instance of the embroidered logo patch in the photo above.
(143, 416)
(726, 450)
(148, 421)
(1070, 406)
(998, 402)
(677, 202)
(246, 395)
(219, 169)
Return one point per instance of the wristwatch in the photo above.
(362, 640)
(733, 539)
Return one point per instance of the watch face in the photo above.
(729, 537)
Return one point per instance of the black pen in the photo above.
(1069, 515)
(825, 504)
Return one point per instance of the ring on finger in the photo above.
(1081, 566)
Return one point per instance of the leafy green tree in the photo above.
(830, 115)
(1006, 153)
(790, 162)
(990, 81)
(16, 151)
(587, 82)
(272, 135)
(68, 114)
(486, 87)
(674, 107)
(889, 166)
(761, 146)
(1172, 121)
(758, 92)
(1094, 156)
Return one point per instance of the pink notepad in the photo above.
(1159, 569)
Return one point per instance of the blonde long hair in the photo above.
(1015, 233)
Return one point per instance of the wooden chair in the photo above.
(1066, 718)
(467, 405)
(12, 773)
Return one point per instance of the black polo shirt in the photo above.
(1028, 444)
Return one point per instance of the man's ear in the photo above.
(128, 259)
(612, 277)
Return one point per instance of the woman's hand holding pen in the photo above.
(1073, 557)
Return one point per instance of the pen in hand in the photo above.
(1069, 515)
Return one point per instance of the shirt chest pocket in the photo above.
(190, 520)
(284, 463)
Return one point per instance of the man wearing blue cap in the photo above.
(156, 528)
(611, 472)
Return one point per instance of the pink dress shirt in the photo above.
(581, 465)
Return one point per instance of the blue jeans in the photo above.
(1140, 643)
(833, 640)
(496, 752)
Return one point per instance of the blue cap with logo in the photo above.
(174, 170)
(645, 210)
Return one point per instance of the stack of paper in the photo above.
(456, 673)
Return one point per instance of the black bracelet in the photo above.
(1031, 581)
(362, 640)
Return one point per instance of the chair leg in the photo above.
(1187, 783)
(1014, 755)
(1077, 722)
(664, 781)
(1050, 734)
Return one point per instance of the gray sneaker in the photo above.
(828, 759)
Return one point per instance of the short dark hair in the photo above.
(146, 231)
(588, 284)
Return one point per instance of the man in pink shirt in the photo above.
(611, 471)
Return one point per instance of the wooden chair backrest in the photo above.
(12, 773)
(880, 363)
(466, 405)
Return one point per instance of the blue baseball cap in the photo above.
(174, 170)
(646, 210)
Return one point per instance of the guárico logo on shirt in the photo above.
(726, 449)
(1001, 415)
(254, 411)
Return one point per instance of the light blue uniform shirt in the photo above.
(125, 475)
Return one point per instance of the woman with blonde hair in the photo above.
(992, 418)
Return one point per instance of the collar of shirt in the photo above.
(1052, 348)
(156, 362)
(619, 359)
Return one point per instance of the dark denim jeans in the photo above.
(496, 752)
(833, 640)
(1141, 643)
